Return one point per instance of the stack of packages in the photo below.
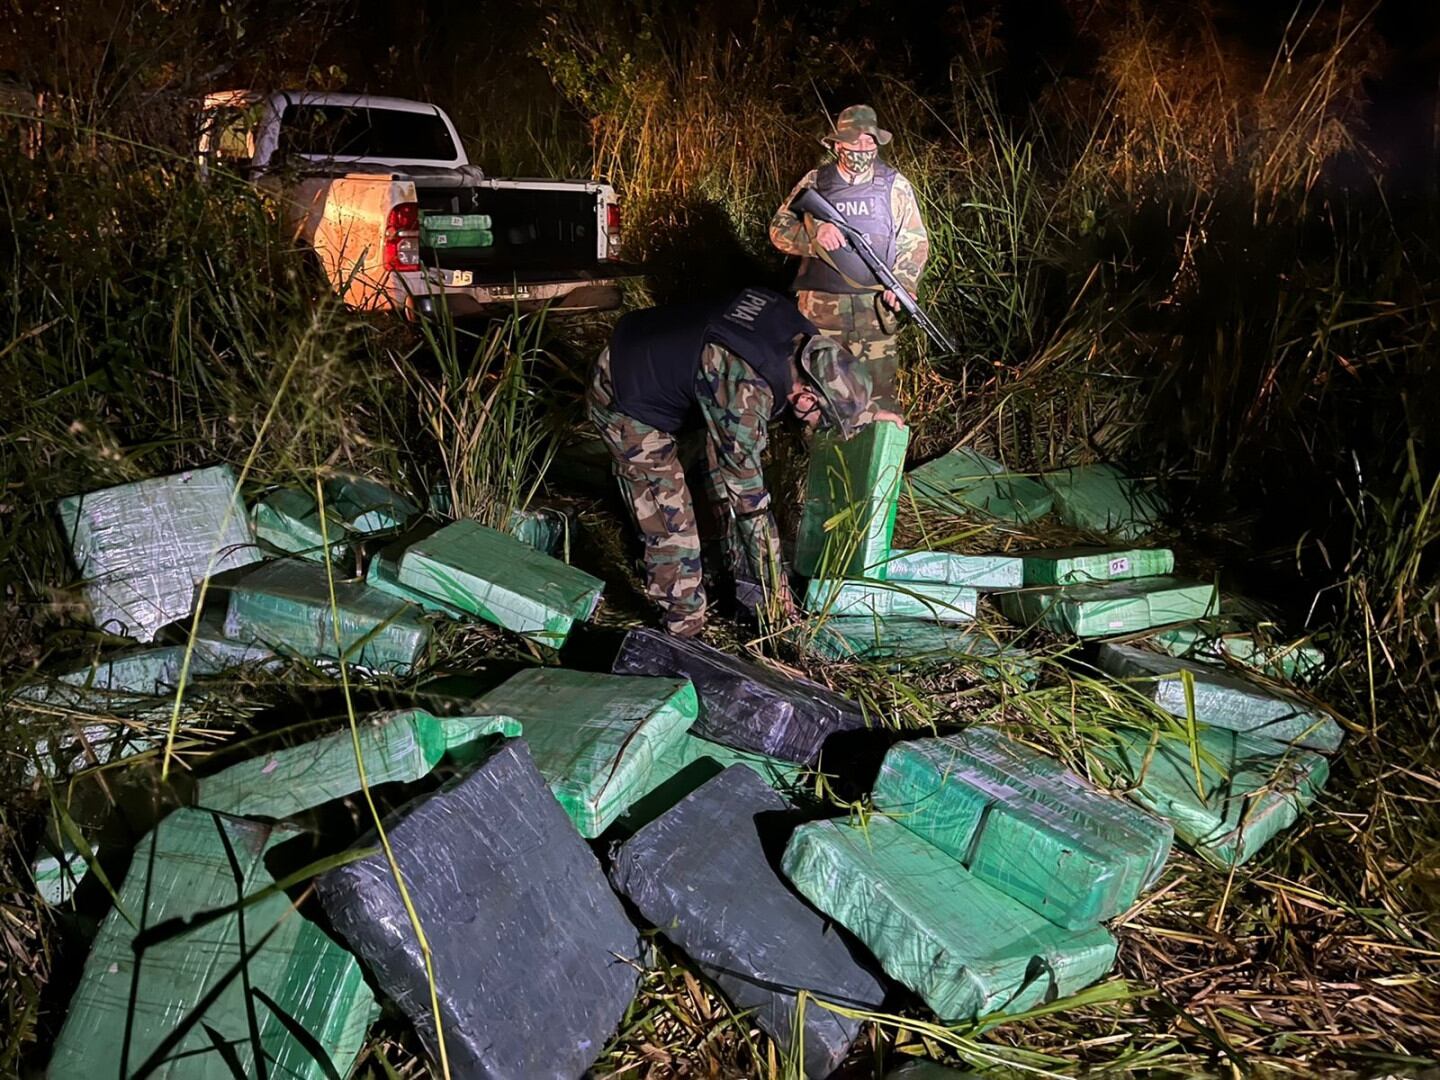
(981, 883)
(532, 956)
(460, 570)
(877, 603)
(1090, 592)
(1252, 764)
(983, 880)
(534, 960)
(142, 550)
(145, 551)
(279, 585)
(448, 232)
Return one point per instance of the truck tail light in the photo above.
(402, 237)
(612, 228)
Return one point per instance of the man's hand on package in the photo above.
(873, 415)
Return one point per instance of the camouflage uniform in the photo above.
(736, 405)
(860, 322)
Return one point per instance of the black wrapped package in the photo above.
(703, 874)
(535, 959)
(742, 704)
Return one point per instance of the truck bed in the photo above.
(534, 229)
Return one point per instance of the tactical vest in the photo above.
(655, 354)
(866, 207)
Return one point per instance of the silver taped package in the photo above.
(142, 548)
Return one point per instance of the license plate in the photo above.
(461, 278)
(508, 292)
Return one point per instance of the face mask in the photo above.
(857, 161)
(806, 407)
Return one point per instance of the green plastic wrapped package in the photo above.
(547, 531)
(601, 741)
(1021, 822)
(397, 747)
(58, 871)
(965, 482)
(502, 580)
(142, 548)
(1223, 640)
(285, 604)
(965, 947)
(116, 683)
(916, 643)
(196, 993)
(88, 746)
(434, 220)
(132, 683)
(383, 573)
(455, 230)
(114, 691)
(1086, 565)
(1121, 607)
(688, 763)
(462, 239)
(909, 599)
(216, 654)
(1026, 768)
(1101, 499)
(948, 568)
(468, 738)
(289, 521)
(851, 494)
(1221, 699)
(1249, 788)
(368, 507)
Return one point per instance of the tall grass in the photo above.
(484, 413)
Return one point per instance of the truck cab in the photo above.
(380, 190)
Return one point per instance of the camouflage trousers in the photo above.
(854, 320)
(652, 483)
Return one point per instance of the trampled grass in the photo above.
(1156, 270)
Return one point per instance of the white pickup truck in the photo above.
(370, 184)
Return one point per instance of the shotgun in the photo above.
(818, 207)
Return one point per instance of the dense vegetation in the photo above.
(1176, 251)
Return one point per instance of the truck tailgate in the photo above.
(483, 271)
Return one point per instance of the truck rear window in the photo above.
(344, 131)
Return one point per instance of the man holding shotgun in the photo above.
(835, 289)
